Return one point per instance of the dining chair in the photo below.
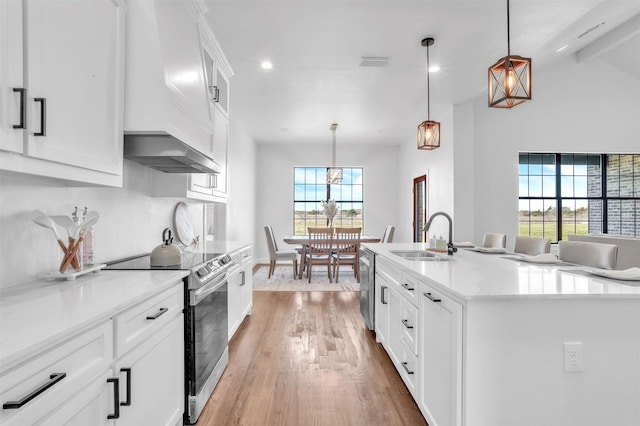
(595, 255)
(347, 250)
(320, 249)
(531, 246)
(275, 254)
(492, 240)
(387, 236)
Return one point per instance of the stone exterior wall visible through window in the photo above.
(621, 202)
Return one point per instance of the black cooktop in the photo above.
(143, 262)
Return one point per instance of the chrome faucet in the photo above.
(450, 248)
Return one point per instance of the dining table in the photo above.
(304, 240)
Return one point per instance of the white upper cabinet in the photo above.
(166, 88)
(12, 88)
(71, 54)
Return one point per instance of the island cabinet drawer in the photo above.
(409, 369)
(141, 321)
(31, 390)
(410, 326)
(410, 287)
(389, 270)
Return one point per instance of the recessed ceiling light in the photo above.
(434, 68)
(266, 65)
(562, 48)
(374, 61)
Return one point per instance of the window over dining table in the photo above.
(568, 193)
(310, 190)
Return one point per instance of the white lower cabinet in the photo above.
(382, 310)
(52, 382)
(151, 379)
(421, 330)
(78, 381)
(397, 321)
(240, 287)
(440, 342)
(87, 407)
(150, 369)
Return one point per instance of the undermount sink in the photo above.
(421, 255)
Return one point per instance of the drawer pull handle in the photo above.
(406, 286)
(383, 298)
(160, 312)
(23, 107)
(433, 299)
(406, 324)
(43, 116)
(406, 368)
(53, 379)
(116, 398)
(127, 401)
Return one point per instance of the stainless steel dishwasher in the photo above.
(367, 287)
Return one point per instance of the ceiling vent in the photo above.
(374, 61)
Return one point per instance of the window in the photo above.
(562, 194)
(310, 189)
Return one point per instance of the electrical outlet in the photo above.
(573, 359)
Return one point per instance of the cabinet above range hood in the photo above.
(166, 153)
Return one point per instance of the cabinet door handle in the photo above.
(23, 107)
(157, 315)
(406, 368)
(215, 96)
(242, 282)
(406, 324)
(406, 286)
(116, 398)
(433, 299)
(383, 299)
(127, 401)
(213, 181)
(53, 379)
(43, 116)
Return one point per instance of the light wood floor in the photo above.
(306, 358)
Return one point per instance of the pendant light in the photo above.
(428, 131)
(334, 174)
(509, 78)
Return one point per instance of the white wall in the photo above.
(576, 107)
(438, 166)
(131, 222)
(274, 185)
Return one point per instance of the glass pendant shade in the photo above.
(334, 175)
(429, 135)
(510, 82)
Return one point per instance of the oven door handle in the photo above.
(202, 293)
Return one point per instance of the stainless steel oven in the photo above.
(206, 346)
(206, 322)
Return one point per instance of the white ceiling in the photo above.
(316, 46)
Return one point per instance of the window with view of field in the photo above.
(562, 194)
(310, 189)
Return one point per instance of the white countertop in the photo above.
(39, 314)
(472, 275)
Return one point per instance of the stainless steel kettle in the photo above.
(166, 254)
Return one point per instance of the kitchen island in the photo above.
(481, 339)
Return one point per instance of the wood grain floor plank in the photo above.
(306, 358)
